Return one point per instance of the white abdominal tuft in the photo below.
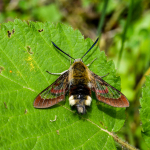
(71, 100)
(88, 101)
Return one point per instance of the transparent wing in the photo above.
(107, 93)
(52, 94)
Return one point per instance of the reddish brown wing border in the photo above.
(40, 102)
(122, 101)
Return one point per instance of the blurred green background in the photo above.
(126, 25)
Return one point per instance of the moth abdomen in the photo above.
(80, 96)
(80, 101)
(79, 89)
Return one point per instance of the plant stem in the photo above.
(124, 31)
(101, 22)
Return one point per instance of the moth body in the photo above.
(79, 81)
(79, 89)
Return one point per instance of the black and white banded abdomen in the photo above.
(80, 96)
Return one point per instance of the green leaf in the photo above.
(145, 111)
(25, 55)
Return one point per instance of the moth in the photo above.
(79, 81)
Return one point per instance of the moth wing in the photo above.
(107, 93)
(53, 94)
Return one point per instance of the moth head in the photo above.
(78, 60)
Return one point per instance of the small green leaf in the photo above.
(145, 111)
(25, 55)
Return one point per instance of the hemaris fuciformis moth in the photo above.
(79, 81)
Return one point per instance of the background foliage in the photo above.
(85, 15)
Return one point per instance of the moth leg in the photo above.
(104, 75)
(91, 62)
(57, 73)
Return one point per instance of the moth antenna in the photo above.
(91, 47)
(61, 50)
